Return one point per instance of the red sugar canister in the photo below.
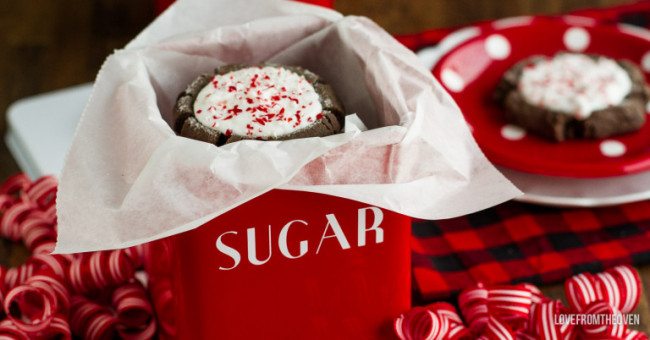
(286, 265)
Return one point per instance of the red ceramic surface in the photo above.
(286, 265)
(471, 70)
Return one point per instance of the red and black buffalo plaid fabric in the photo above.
(518, 242)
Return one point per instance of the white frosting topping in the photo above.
(258, 102)
(575, 84)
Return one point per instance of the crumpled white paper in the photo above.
(129, 179)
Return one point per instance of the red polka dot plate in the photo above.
(471, 62)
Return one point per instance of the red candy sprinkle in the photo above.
(235, 110)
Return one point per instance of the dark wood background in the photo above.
(51, 44)
(409, 16)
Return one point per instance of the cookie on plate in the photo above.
(574, 96)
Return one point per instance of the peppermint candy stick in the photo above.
(8, 330)
(93, 272)
(15, 184)
(16, 276)
(32, 306)
(43, 192)
(38, 234)
(12, 218)
(58, 329)
(90, 320)
(29, 308)
(56, 266)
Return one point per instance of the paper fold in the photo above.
(129, 179)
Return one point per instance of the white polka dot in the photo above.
(512, 132)
(497, 47)
(647, 108)
(452, 80)
(576, 39)
(634, 30)
(612, 148)
(645, 62)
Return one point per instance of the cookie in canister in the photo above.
(574, 96)
(264, 102)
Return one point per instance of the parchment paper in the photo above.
(129, 179)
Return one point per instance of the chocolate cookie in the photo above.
(265, 102)
(574, 96)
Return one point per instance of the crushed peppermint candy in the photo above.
(575, 84)
(258, 102)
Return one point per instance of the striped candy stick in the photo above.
(436, 321)
(582, 290)
(606, 330)
(29, 308)
(136, 255)
(510, 304)
(15, 184)
(37, 230)
(473, 305)
(635, 335)
(162, 297)
(12, 218)
(16, 276)
(43, 192)
(457, 329)
(9, 331)
(620, 287)
(56, 265)
(420, 323)
(32, 306)
(93, 272)
(51, 214)
(496, 329)
(55, 290)
(58, 329)
(623, 285)
(5, 202)
(543, 322)
(90, 320)
(131, 304)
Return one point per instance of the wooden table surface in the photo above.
(48, 45)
